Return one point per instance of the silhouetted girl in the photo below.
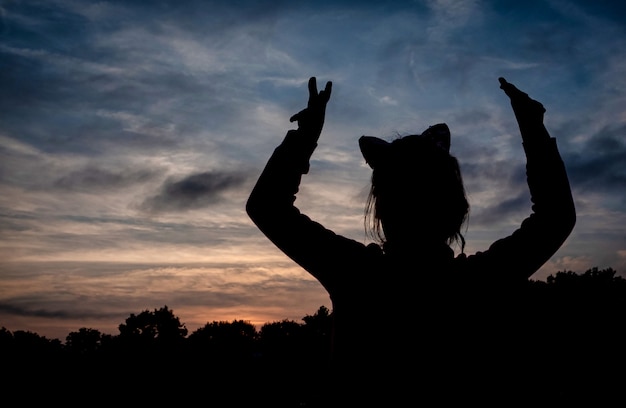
(410, 319)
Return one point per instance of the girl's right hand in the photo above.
(311, 119)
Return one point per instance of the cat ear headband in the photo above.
(377, 151)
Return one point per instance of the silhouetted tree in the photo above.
(223, 356)
(84, 341)
(222, 339)
(146, 355)
(6, 339)
(285, 359)
(7, 351)
(29, 344)
(159, 328)
(320, 323)
(317, 332)
(282, 339)
(32, 369)
(30, 360)
(568, 331)
(593, 276)
(150, 351)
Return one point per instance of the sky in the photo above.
(132, 132)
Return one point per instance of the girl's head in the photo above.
(417, 191)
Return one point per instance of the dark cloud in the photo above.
(95, 178)
(503, 210)
(194, 191)
(13, 221)
(12, 309)
(600, 166)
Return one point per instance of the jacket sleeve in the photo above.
(545, 230)
(271, 206)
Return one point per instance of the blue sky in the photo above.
(132, 132)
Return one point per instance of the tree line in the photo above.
(161, 331)
(571, 338)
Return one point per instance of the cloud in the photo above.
(47, 311)
(502, 210)
(193, 192)
(600, 165)
(96, 178)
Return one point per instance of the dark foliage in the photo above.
(566, 336)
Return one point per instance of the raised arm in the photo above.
(271, 203)
(528, 112)
(274, 192)
(553, 212)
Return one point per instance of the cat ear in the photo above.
(439, 134)
(375, 151)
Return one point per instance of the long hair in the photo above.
(419, 179)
